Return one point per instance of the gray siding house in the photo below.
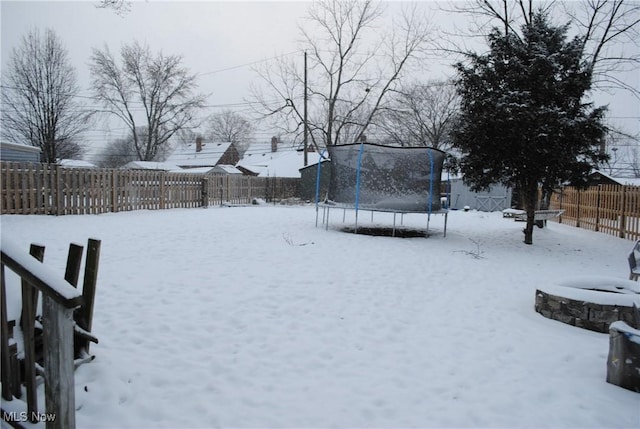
(19, 152)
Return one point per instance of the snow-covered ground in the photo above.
(251, 317)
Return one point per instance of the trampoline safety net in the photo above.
(386, 178)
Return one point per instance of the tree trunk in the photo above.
(531, 196)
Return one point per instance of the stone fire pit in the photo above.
(591, 302)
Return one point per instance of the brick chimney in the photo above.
(198, 144)
(274, 144)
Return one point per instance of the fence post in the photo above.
(561, 199)
(623, 207)
(163, 179)
(598, 208)
(578, 209)
(204, 193)
(58, 182)
(58, 364)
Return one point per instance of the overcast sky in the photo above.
(219, 40)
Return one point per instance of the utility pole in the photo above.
(306, 127)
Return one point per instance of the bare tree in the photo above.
(120, 7)
(608, 29)
(39, 97)
(117, 153)
(228, 126)
(352, 68)
(121, 151)
(151, 92)
(421, 115)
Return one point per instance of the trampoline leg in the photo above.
(371, 215)
(446, 214)
(428, 220)
(316, 216)
(356, 229)
(401, 218)
(326, 227)
(344, 215)
(393, 233)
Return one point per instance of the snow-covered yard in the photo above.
(253, 317)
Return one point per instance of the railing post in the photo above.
(4, 346)
(58, 364)
(29, 303)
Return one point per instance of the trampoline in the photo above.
(378, 178)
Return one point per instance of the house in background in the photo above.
(268, 160)
(204, 154)
(601, 178)
(150, 165)
(19, 152)
(75, 163)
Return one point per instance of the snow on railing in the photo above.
(59, 300)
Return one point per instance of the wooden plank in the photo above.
(85, 313)
(74, 260)
(58, 364)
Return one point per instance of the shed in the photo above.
(309, 179)
(497, 198)
(19, 152)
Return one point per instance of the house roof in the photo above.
(285, 162)
(20, 147)
(75, 163)
(209, 156)
(220, 168)
(630, 181)
(229, 169)
(150, 165)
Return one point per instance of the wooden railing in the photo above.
(65, 335)
(50, 189)
(610, 209)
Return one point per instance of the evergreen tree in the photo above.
(523, 120)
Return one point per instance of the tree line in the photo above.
(514, 111)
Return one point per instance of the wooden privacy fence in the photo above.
(610, 209)
(51, 189)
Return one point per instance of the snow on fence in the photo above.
(51, 189)
(610, 209)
